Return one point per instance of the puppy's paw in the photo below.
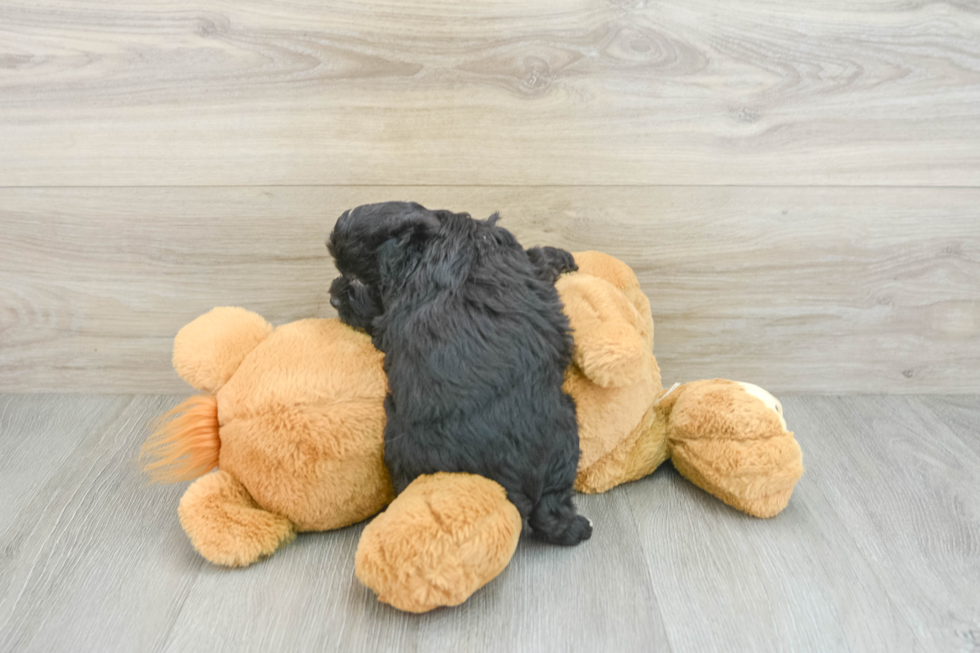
(578, 530)
(567, 532)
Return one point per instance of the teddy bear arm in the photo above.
(622, 278)
(610, 345)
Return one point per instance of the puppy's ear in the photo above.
(550, 262)
(411, 226)
(408, 234)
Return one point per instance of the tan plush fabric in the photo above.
(443, 538)
(225, 524)
(727, 438)
(614, 377)
(725, 444)
(610, 345)
(621, 277)
(302, 425)
(296, 427)
(608, 416)
(209, 350)
(294, 419)
(636, 456)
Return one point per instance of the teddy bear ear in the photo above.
(611, 338)
(208, 350)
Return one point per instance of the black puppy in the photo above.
(476, 347)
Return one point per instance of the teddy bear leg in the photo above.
(225, 524)
(442, 539)
(730, 439)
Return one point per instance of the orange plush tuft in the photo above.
(185, 443)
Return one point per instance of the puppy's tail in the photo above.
(184, 443)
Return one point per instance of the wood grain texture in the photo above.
(93, 561)
(593, 597)
(904, 489)
(26, 420)
(878, 550)
(305, 598)
(827, 290)
(433, 92)
(795, 582)
(961, 414)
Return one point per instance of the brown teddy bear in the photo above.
(293, 419)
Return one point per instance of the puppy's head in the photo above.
(372, 245)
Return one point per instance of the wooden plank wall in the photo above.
(797, 184)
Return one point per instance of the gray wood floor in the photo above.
(878, 550)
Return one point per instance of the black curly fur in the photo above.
(475, 346)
